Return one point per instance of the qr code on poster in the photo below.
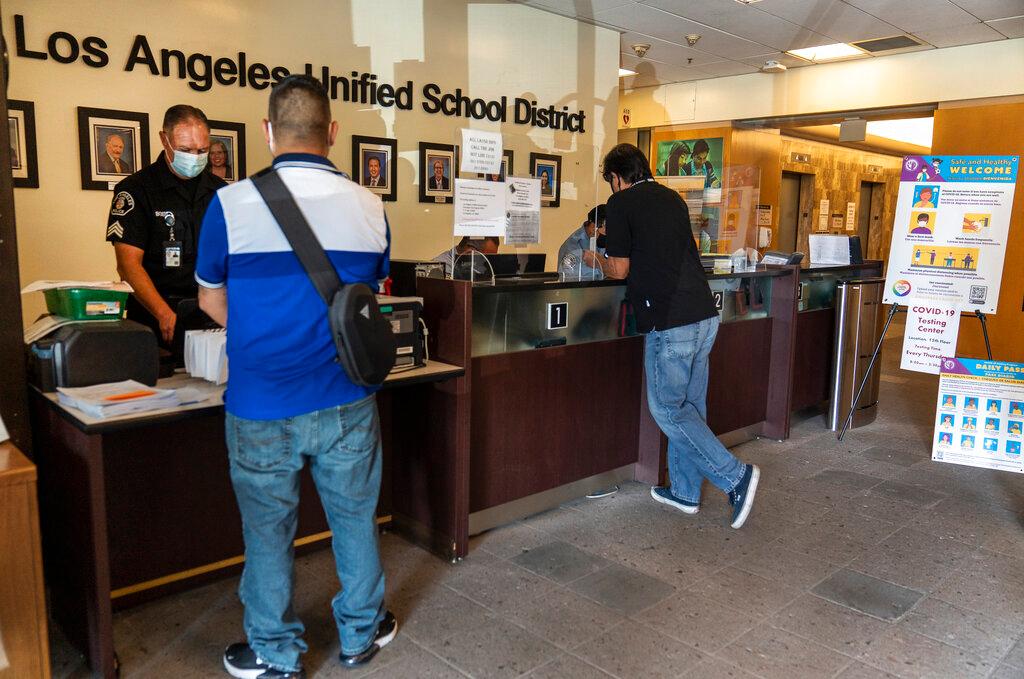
(978, 294)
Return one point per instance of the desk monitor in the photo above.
(514, 265)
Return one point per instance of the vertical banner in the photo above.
(980, 414)
(949, 237)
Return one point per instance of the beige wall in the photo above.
(488, 50)
(990, 69)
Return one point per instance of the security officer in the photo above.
(577, 260)
(155, 217)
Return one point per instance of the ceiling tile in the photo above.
(666, 72)
(912, 16)
(1011, 28)
(960, 35)
(721, 69)
(654, 22)
(667, 52)
(834, 18)
(578, 8)
(992, 9)
(744, 21)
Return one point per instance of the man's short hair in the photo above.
(701, 147)
(596, 215)
(628, 162)
(299, 109)
(183, 113)
(113, 135)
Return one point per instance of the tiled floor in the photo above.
(862, 559)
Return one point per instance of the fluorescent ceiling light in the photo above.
(623, 72)
(840, 50)
(917, 131)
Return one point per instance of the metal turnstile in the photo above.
(858, 322)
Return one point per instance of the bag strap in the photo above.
(298, 232)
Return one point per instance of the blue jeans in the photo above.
(343, 449)
(676, 362)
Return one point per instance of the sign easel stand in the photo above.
(893, 310)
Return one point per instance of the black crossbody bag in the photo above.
(363, 337)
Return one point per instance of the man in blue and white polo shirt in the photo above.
(288, 401)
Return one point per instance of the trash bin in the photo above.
(859, 316)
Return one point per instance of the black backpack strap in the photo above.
(298, 232)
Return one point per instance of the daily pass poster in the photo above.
(979, 420)
(949, 238)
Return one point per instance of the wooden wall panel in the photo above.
(991, 130)
(838, 172)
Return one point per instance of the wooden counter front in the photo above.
(23, 637)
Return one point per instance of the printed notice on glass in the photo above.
(829, 249)
(523, 205)
(930, 334)
(481, 152)
(979, 417)
(479, 208)
(951, 229)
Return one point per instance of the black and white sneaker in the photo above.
(742, 497)
(386, 631)
(242, 662)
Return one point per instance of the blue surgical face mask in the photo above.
(189, 164)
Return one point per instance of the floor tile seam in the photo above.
(961, 647)
(857, 610)
(428, 651)
(864, 660)
(939, 597)
(837, 650)
(586, 662)
(803, 638)
(804, 590)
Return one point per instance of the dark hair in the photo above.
(628, 162)
(182, 113)
(596, 214)
(701, 146)
(299, 108)
(679, 150)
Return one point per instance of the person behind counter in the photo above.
(155, 217)
(576, 259)
(485, 246)
(651, 246)
(289, 402)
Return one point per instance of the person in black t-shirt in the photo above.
(650, 244)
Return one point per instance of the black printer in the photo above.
(94, 352)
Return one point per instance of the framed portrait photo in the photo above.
(439, 166)
(507, 168)
(227, 150)
(374, 165)
(21, 125)
(548, 169)
(112, 145)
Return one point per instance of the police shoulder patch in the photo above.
(123, 204)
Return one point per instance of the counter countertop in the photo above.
(212, 399)
(529, 284)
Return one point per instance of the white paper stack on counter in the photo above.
(117, 398)
(206, 355)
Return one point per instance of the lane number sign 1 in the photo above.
(558, 315)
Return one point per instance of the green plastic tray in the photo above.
(86, 304)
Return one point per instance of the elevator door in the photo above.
(789, 211)
(869, 213)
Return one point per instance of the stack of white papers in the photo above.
(206, 355)
(117, 398)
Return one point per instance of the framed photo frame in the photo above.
(375, 165)
(507, 168)
(112, 145)
(227, 150)
(548, 168)
(439, 167)
(21, 125)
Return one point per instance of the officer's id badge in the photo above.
(123, 204)
(172, 254)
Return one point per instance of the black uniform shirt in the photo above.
(138, 216)
(650, 224)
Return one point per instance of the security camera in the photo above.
(692, 39)
(640, 49)
(772, 66)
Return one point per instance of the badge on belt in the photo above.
(172, 247)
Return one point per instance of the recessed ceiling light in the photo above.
(747, 2)
(623, 72)
(840, 50)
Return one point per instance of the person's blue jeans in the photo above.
(343, 449)
(676, 362)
